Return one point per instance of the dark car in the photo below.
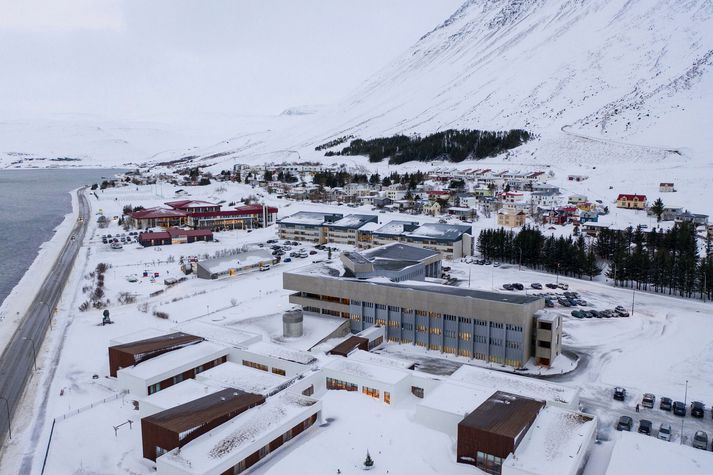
(536, 285)
(312, 253)
(518, 286)
(551, 286)
(679, 409)
(648, 400)
(619, 394)
(508, 287)
(666, 404)
(700, 440)
(549, 303)
(645, 426)
(698, 409)
(594, 313)
(625, 423)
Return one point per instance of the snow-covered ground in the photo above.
(655, 350)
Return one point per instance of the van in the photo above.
(625, 423)
(700, 440)
(648, 400)
(664, 432)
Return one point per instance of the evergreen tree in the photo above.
(368, 462)
(657, 209)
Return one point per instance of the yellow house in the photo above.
(432, 208)
(631, 201)
(585, 206)
(511, 218)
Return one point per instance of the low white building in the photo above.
(448, 403)
(181, 393)
(236, 264)
(240, 443)
(558, 443)
(277, 359)
(388, 384)
(245, 378)
(170, 368)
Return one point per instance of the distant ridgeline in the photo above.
(453, 145)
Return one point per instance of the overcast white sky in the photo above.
(162, 58)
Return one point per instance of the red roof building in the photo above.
(242, 217)
(193, 206)
(174, 236)
(162, 217)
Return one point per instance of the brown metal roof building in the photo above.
(130, 354)
(493, 431)
(176, 427)
(349, 345)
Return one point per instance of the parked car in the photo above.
(563, 286)
(665, 404)
(581, 302)
(518, 286)
(619, 308)
(312, 253)
(551, 286)
(594, 313)
(625, 423)
(536, 285)
(508, 287)
(264, 267)
(698, 409)
(700, 440)
(664, 432)
(648, 400)
(621, 313)
(496, 264)
(619, 393)
(549, 303)
(679, 409)
(578, 314)
(287, 259)
(645, 426)
(303, 254)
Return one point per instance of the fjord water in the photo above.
(32, 204)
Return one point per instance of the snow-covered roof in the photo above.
(178, 394)
(395, 227)
(516, 384)
(557, 440)
(361, 370)
(372, 226)
(143, 334)
(208, 452)
(443, 232)
(281, 352)
(309, 218)
(656, 457)
(219, 333)
(353, 221)
(379, 360)
(176, 361)
(455, 398)
(233, 375)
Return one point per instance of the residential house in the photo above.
(432, 208)
(631, 201)
(666, 187)
(577, 177)
(511, 218)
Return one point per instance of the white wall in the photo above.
(291, 368)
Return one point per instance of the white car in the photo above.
(665, 432)
(264, 267)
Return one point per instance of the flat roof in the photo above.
(380, 360)
(457, 399)
(515, 384)
(180, 393)
(439, 231)
(236, 261)
(167, 362)
(238, 376)
(219, 333)
(504, 414)
(208, 451)
(145, 347)
(395, 227)
(199, 411)
(353, 221)
(281, 352)
(369, 371)
(464, 292)
(556, 439)
(308, 218)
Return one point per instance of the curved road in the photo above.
(18, 359)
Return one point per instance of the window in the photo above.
(421, 328)
(465, 336)
(435, 331)
(544, 344)
(355, 317)
(465, 352)
(279, 371)
(407, 326)
(380, 322)
(178, 378)
(200, 369)
(381, 306)
(387, 397)
(339, 385)
(416, 391)
(263, 451)
(545, 325)
(160, 451)
(449, 333)
(252, 364)
(309, 391)
(489, 463)
(370, 392)
(154, 388)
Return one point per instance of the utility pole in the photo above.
(633, 296)
(685, 404)
(519, 264)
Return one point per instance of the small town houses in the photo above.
(631, 201)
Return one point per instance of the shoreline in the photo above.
(17, 302)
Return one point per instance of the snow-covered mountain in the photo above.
(635, 71)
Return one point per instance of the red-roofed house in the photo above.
(194, 206)
(631, 201)
(174, 236)
(162, 217)
(242, 217)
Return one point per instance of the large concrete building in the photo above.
(489, 326)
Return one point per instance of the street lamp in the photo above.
(685, 403)
(34, 351)
(49, 311)
(7, 411)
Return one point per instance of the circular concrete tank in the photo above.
(292, 323)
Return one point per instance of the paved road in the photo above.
(17, 361)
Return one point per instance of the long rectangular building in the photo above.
(488, 326)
